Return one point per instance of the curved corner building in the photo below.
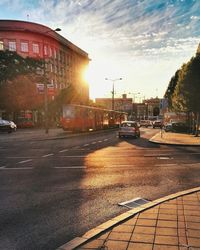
(65, 62)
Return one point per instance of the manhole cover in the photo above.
(134, 202)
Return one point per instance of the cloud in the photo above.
(123, 31)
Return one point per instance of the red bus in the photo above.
(86, 118)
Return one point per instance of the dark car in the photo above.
(179, 127)
(157, 124)
(7, 126)
(168, 127)
(129, 128)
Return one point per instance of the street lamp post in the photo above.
(113, 90)
(134, 95)
(45, 85)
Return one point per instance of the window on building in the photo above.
(12, 45)
(24, 46)
(51, 67)
(55, 53)
(1, 45)
(50, 52)
(36, 48)
(45, 50)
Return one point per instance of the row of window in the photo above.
(47, 50)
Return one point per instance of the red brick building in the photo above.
(65, 62)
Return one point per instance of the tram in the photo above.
(80, 118)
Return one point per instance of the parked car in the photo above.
(129, 128)
(7, 126)
(157, 124)
(179, 127)
(168, 127)
(145, 123)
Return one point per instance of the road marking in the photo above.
(85, 145)
(94, 142)
(17, 157)
(64, 150)
(44, 156)
(26, 168)
(73, 167)
(105, 139)
(156, 155)
(2, 167)
(164, 158)
(118, 166)
(25, 161)
(166, 165)
(100, 141)
(73, 156)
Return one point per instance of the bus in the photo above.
(80, 118)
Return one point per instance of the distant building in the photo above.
(65, 62)
(153, 106)
(120, 104)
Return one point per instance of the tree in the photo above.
(171, 88)
(20, 94)
(18, 78)
(186, 96)
(12, 65)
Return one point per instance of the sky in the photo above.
(143, 42)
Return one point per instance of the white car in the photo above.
(129, 128)
(7, 126)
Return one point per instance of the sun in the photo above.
(95, 77)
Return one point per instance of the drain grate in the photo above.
(134, 202)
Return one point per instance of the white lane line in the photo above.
(94, 142)
(167, 165)
(17, 157)
(73, 156)
(164, 158)
(155, 155)
(26, 168)
(64, 150)
(44, 156)
(73, 167)
(25, 161)
(99, 141)
(118, 166)
(2, 167)
(85, 145)
(105, 139)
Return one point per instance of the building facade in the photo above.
(65, 63)
(120, 104)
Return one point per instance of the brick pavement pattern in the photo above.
(171, 225)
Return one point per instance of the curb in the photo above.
(152, 140)
(78, 241)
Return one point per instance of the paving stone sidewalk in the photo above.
(175, 139)
(171, 223)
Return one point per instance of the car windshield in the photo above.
(129, 124)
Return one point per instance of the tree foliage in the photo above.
(12, 65)
(18, 78)
(186, 94)
(20, 94)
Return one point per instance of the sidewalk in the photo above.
(169, 223)
(175, 139)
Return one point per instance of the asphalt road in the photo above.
(54, 190)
